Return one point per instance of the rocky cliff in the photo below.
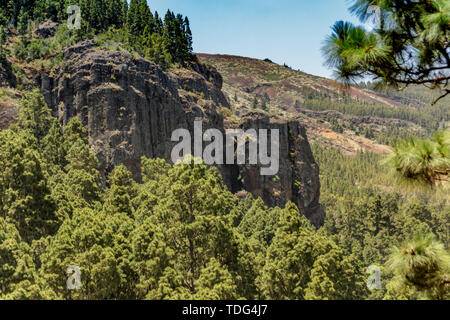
(130, 107)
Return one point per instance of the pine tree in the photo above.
(19, 274)
(423, 161)
(22, 24)
(34, 116)
(3, 60)
(145, 15)
(82, 178)
(115, 13)
(158, 24)
(264, 105)
(133, 19)
(24, 193)
(421, 268)
(215, 283)
(335, 276)
(418, 28)
(53, 148)
(255, 103)
(96, 243)
(188, 33)
(291, 256)
(122, 191)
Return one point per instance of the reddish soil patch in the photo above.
(240, 81)
(290, 86)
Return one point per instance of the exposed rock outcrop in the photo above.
(130, 107)
(298, 176)
(8, 113)
(46, 29)
(7, 77)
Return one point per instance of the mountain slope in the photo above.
(351, 119)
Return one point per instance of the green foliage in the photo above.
(264, 105)
(290, 257)
(216, 283)
(259, 222)
(421, 268)
(22, 24)
(422, 161)
(165, 41)
(135, 29)
(431, 118)
(335, 276)
(16, 263)
(34, 115)
(181, 234)
(29, 48)
(25, 196)
(122, 190)
(335, 126)
(255, 103)
(99, 244)
(304, 264)
(418, 30)
(3, 60)
(362, 217)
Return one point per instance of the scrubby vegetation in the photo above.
(429, 117)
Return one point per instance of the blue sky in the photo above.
(285, 31)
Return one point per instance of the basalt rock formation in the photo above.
(298, 176)
(130, 107)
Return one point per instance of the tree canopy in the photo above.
(181, 234)
(166, 40)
